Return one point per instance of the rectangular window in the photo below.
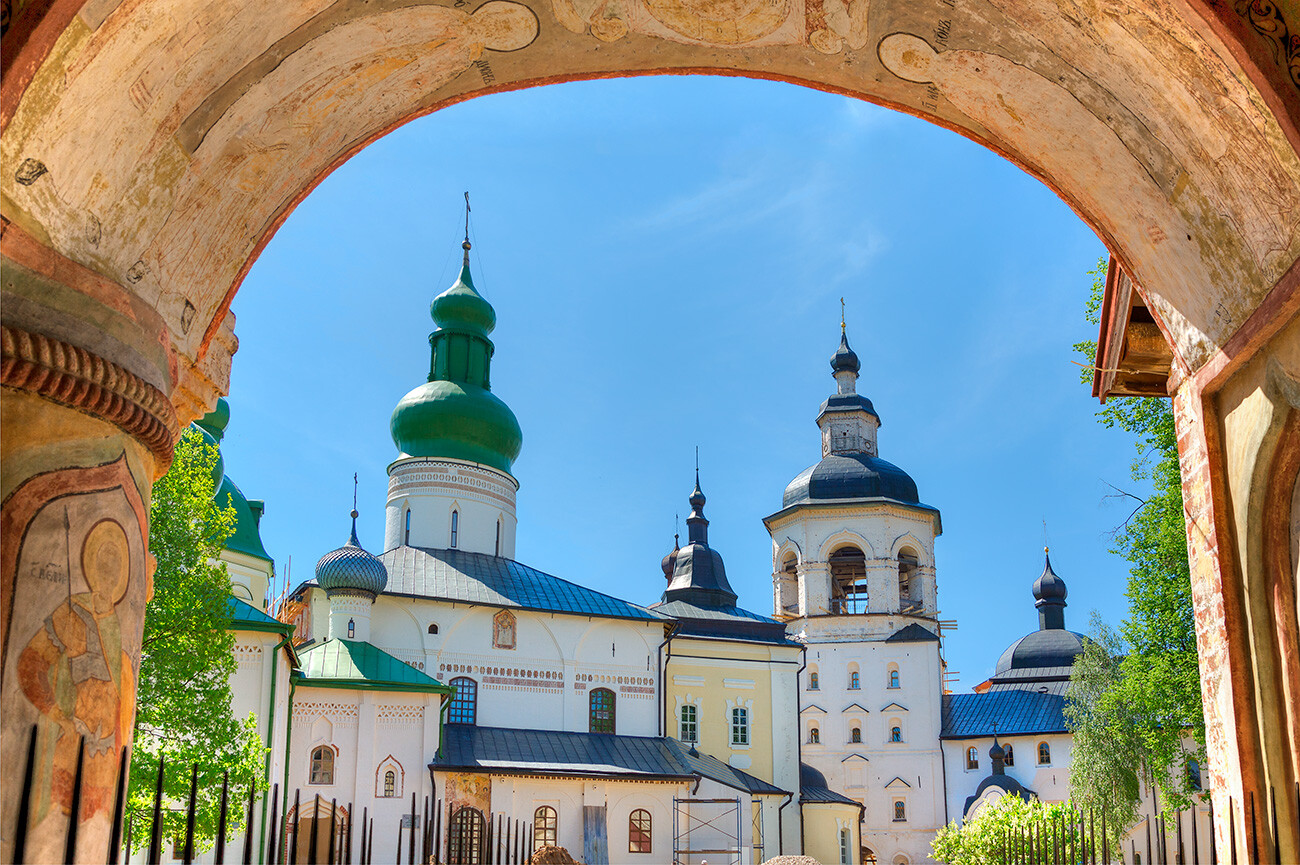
(739, 726)
(690, 729)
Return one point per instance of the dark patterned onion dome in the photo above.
(351, 569)
(851, 476)
(845, 359)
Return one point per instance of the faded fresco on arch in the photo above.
(72, 647)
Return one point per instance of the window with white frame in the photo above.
(972, 758)
(739, 726)
(690, 723)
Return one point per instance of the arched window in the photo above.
(433, 627)
(972, 758)
(846, 846)
(900, 810)
(909, 587)
(390, 784)
(546, 825)
(322, 765)
(1044, 753)
(352, 629)
(455, 527)
(814, 682)
(848, 581)
(464, 703)
(601, 712)
(895, 734)
(739, 726)
(406, 538)
(690, 726)
(1009, 756)
(638, 831)
(814, 736)
(465, 836)
(855, 681)
(498, 552)
(855, 735)
(893, 678)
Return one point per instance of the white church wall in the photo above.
(368, 732)
(432, 489)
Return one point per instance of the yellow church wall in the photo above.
(822, 823)
(717, 675)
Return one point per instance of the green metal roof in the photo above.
(247, 538)
(245, 617)
(357, 664)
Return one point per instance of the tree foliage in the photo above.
(994, 833)
(183, 709)
(1134, 703)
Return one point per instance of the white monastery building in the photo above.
(684, 730)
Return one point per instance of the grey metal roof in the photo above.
(477, 578)
(1046, 680)
(913, 633)
(1015, 712)
(851, 476)
(557, 752)
(813, 788)
(730, 622)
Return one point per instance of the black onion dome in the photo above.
(670, 560)
(845, 359)
(997, 753)
(851, 476)
(1049, 587)
(1047, 648)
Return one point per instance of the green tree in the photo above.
(1135, 696)
(183, 709)
(1000, 830)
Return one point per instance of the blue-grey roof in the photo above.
(728, 622)
(477, 578)
(851, 476)
(913, 633)
(813, 788)
(1015, 712)
(501, 750)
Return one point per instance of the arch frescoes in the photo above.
(157, 146)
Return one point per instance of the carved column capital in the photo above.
(74, 377)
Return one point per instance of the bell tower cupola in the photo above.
(848, 421)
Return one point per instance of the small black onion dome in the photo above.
(844, 359)
(670, 560)
(851, 476)
(997, 752)
(351, 569)
(697, 499)
(1049, 587)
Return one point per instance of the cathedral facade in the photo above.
(686, 729)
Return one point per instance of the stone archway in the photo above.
(151, 148)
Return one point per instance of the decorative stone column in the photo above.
(86, 370)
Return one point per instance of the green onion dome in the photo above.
(455, 414)
(211, 427)
(351, 569)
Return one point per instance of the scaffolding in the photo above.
(713, 824)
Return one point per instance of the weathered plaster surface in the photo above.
(162, 142)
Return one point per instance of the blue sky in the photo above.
(666, 258)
